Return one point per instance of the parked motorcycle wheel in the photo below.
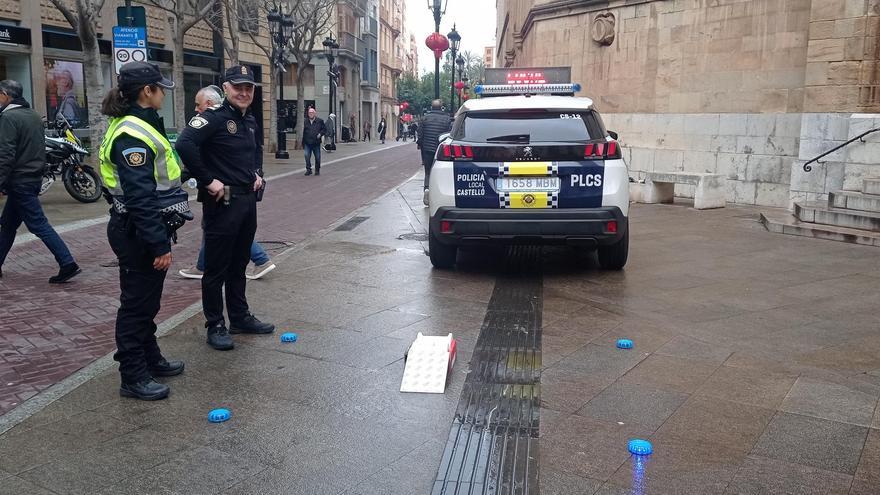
(83, 183)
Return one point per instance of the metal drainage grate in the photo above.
(351, 223)
(493, 442)
(413, 236)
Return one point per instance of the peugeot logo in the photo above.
(527, 152)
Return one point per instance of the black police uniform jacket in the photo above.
(136, 176)
(221, 143)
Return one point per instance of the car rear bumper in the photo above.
(574, 226)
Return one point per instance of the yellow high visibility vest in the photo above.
(166, 166)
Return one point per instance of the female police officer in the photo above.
(141, 175)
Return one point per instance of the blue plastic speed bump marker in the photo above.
(219, 415)
(624, 344)
(640, 447)
(288, 337)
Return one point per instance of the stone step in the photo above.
(852, 200)
(871, 186)
(783, 222)
(818, 212)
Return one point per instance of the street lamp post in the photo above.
(438, 10)
(331, 48)
(454, 43)
(280, 30)
(460, 63)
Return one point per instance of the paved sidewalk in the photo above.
(47, 332)
(756, 369)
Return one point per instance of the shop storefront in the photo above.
(15, 57)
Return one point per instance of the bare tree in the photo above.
(311, 19)
(182, 16)
(83, 18)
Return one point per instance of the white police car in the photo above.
(532, 164)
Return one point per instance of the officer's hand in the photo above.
(258, 184)
(215, 188)
(162, 262)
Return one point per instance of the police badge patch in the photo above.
(135, 157)
(198, 122)
(231, 127)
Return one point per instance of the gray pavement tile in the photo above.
(714, 421)
(461, 329)
(587, 447)
(867, 477)
(830, 401)
(385, 322)
(812, 442)
(679, 466)
(748, 386)
(732, 330)
(553, 482)
(198, 470)
(854, 356)
(567, 389)
(670, 373)
(686, 347)
(374, 354)
(629, 403)
(85, 397)
(760, 475)
(444, 306)
(557, 341)
(549, 420)
(601, 361)
(412, 473)
(18, 486)
(647, 335)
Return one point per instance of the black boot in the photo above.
(308, 171)
(146, 389)
(218, 338)
(66, 273)
(250, 324)
(163, 367)
(317, 170)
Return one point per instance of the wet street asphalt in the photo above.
(756, 369)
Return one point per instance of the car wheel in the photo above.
(442, 256)
(614, 257)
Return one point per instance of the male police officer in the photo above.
(221, 150)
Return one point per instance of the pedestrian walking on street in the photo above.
(141, 175)
(381, 130)
(435, 123)
(352, 122)
(314, 131)
(211, 97)
(331, 132)
(221, 150)
(22, 160)
(368, 126)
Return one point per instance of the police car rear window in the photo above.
(528, 127)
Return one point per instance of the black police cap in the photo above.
(240, 74)
(135, 74)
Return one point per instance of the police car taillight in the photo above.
(456, 152)
(602, 151)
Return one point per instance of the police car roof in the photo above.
(541, 102)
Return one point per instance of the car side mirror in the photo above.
(444, 136)
(613, 135)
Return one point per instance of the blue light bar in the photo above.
(526, 89)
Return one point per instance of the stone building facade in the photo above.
(747, 88)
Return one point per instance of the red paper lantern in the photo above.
(407, 117)
(438, 43)
(465, 96)
(404, 105)
(459, 85)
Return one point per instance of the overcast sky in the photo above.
(474, 20)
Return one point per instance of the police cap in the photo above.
(135, 74)
(240, 74)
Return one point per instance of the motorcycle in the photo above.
(65, 154)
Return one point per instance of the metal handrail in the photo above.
(807, 166)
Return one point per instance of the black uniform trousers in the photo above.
(141, 286)
(428, 162)
(229, 233)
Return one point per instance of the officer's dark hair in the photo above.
(117, 101)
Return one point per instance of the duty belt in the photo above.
(182, 207)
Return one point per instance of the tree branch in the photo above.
(71, 18)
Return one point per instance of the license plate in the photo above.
(508, 184)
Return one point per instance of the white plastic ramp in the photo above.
(428, 364)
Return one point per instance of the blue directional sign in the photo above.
(129, 45)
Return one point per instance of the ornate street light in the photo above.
(438, 7)
(280, 31)
(331, 50)
(454, 43)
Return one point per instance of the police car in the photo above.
(529, 163)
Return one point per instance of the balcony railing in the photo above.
(351, 43)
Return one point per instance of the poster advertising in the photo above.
(65, 92)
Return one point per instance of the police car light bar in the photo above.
(526, 89)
